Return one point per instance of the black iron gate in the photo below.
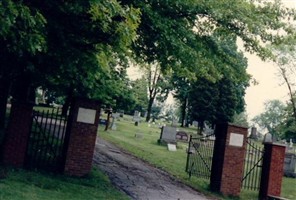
(199, 156)
(253, 166)
(46, 141)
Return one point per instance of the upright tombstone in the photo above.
(113, 123)
(195, 123)
(83, 125)
(290, 165)
(174, 122)
(228, 159)
(168, 134)
(254, 133)
(137, 117)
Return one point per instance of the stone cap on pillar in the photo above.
(267, 138)
(236, 125)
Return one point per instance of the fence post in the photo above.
(228, 159)
(83, 125)
(272, 170)
(17, 134)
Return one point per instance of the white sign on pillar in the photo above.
(236, 140)
(87, 116)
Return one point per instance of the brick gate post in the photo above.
(17, 134)
(272, 170)
(83, 125)
(228, 159)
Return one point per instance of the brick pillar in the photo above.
(272, 170)
(17, 134)
(83, 122)
(228, 159)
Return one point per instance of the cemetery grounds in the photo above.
(142, 141)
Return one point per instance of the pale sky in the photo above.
(270, 84)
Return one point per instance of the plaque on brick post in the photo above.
(87, 116)
(82, 137)
(236, 140)
(228, 159)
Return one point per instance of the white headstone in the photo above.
(172, 147)
(291, 143)
(195, 123)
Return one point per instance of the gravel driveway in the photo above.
(138, 179)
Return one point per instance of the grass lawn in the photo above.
(26, 185)
(148, 149)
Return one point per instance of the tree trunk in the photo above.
(23, 91)
(68, 101)
(292, 99)
(4, 88)
(200, 127)
(183, 113)
(149, 109)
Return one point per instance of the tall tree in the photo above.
(177, 34)
(181, 88)
(271, 118)
(288, 124)
(140, 93)
(21, 38)
(286, 63)
(158, 85)
(220, 98)
(69, 46)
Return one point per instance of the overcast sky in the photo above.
(270, 84)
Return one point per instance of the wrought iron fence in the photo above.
(199, 156)
(253, 166)
(46, 142)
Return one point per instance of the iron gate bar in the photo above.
(203, 160)
(199, 162)
(46, 141)
(253, 166)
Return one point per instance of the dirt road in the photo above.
(138, 179)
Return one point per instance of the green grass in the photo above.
(26, 185)
(148, 149)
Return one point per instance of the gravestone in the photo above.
(291, 145)
(137, 117)
(207, 130)
(290, 165)
(121, 113)
(175, 123)
(102, 121)
(254, 133)
(182, 136)
(168, 134)
(114, 118)
(172, 147)
(195, 123)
